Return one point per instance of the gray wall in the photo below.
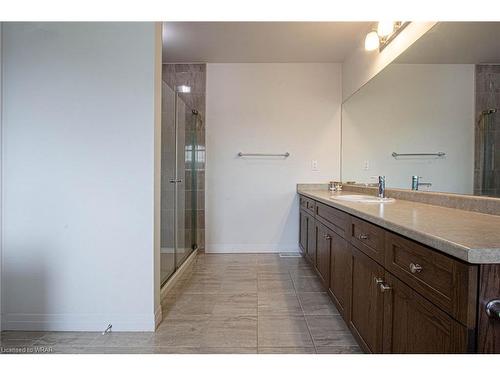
(79, 173)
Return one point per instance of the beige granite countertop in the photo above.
(470, 236)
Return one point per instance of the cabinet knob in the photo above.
(328, 237)
(378, 280)
(363, 236)
(415, 268)
(493, 309)
(384, 287)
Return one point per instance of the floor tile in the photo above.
(283, 331)
(227, 303)
(235, 304)
(308, 284)
(276, 286)
(123, 339)
(317, 303)
(67, 339)
(281, 350)
(191, 304)
(238, 332)
(279, 304)
(279, 274)
(244, 286)
(180, 332)
(21, 335)
(302, 272)
(202, 350)
(329, 331)
(339, 350)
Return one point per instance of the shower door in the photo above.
(177, 236)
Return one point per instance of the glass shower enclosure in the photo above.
(178, 181)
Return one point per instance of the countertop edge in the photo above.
(464, 253)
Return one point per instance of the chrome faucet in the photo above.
(415, 183)
(381, 186)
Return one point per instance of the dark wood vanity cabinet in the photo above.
(303, 231)
(323, 251)
(396, 295)
(412, 324)
(307, 237)
(340, 273)
(367, 302)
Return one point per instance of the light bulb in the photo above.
(184, 89)
(385, 28)
(372, 41)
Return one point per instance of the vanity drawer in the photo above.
(308, 204)
(448, 283)
(337, 220)
(368, 238)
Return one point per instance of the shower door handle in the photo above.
(174, 181)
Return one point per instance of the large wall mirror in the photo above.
(434, 113)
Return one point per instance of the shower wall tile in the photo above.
(487, 96)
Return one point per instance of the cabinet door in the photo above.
(303, 231)
(341, 274)
(311, 239)
(367, 304)
(323, 246)
(414, 325)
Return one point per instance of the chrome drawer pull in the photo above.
(363, 236)
(415, 268)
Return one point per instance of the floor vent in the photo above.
(293, 254)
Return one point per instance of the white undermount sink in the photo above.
(362, 198)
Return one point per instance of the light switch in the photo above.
(366, 165)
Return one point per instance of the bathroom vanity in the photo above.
(406, 277)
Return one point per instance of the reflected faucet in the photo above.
(415, 183)
(381, 186)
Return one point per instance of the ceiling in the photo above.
(254, 42)
(456, 43)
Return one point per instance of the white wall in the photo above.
(362, 65)
(79, 175)
(412, 108)
(251, 204)
(1, 186)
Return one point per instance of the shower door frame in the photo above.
(176, 180)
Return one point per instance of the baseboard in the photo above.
(258, 248)
(78, 322)
(177, 275)
(158, 316)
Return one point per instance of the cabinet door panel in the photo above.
(366, 315)
(303, 231)
(414, 325)
(311, 239)
(341, 273)
(323, 245)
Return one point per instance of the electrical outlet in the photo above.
(315, 165)
(366, 165)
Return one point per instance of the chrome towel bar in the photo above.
(437, 154)
(285, 155)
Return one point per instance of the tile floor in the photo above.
(241, 303)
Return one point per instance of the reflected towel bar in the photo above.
(438, 154)
(286, 154)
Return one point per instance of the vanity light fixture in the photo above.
(385, 33)
(385, 28)
(372, 41)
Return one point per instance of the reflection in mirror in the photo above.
(436, 102)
